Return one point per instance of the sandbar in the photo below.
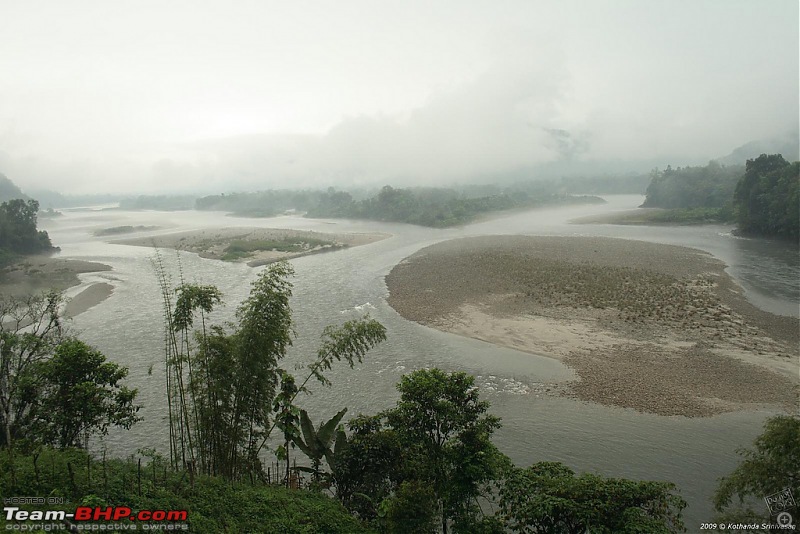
(657, 328)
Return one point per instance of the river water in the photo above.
(330, 288)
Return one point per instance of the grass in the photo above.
(678, 216)
(245, 248)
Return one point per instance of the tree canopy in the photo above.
(767, 197)
(18, 232)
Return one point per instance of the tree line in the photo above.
(425, 206)
(763, 197)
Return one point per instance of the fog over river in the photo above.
(333, 287)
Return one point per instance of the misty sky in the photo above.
(154, 96)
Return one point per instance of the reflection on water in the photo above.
(330, 288)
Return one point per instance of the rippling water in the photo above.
(329, 288)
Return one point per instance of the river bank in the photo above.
(657, 328)
(34, 274)
(255, 246)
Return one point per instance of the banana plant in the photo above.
(316, 442)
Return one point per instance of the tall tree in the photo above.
(30, 329)
(768, 195)
(442, 422)
(769, 470)
(80, 394)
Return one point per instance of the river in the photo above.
(330, 288)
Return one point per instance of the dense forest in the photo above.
(711, 186)
(762, 197)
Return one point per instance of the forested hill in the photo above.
(9, 190)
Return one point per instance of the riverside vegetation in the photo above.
(762, 197)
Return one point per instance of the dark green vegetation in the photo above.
(763, 198)
(771, 469)
(436, 207)
(548, 497)
(260, 204)
(675, 216)
(54, 390)
(767, 198)
(215, 505)
(244, 248)
(711, 186)
(18, 233)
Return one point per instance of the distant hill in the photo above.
(9, 190)
(787, 145)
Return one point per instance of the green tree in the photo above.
(367, 465)
(80, 394)
(443, 425)
(547, 497)
(18, 233)
(769, 468)
(30, 329)
(767, 197)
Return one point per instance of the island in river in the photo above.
(657, 328)
(256, 246)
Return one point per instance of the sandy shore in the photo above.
(656, 328)
(34, 274)
(89, 297)
(212, 243)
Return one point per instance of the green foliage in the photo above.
(366, 466)
(548, 497)
(226, 392)
(317, 443)
(54, 390)
(711, 186)
(30, 330)
(214, 505)
(243, 248)
(443, 425)
(411, 510)
(18, 233)
(770, 467)
(767, 197)
(79, 394)
(683, 216)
